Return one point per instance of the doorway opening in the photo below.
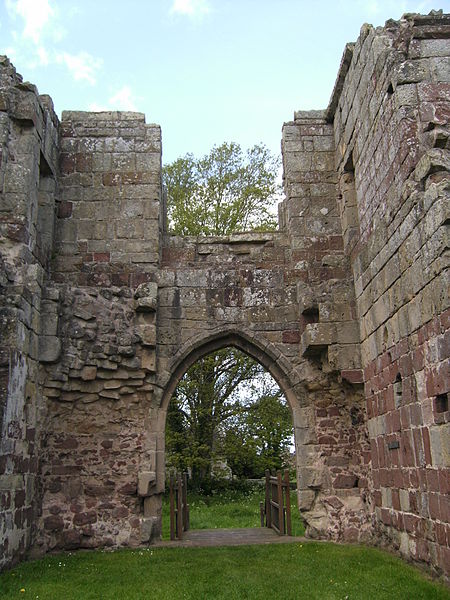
(228, 422)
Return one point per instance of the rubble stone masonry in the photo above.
(346, 305)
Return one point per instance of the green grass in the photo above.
(283, 572)
(228, 509)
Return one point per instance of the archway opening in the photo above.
(228, 422)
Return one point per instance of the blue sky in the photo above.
(207, 71)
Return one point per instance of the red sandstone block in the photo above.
(444, 481)
(432, 480)
(426, 445)
(101, 256)
(401, 479)
(19, 499)
(111, 179)
(422, 473)
(395, 499)
(445, 320)
(17, 232)
(353, 375)
(53, 523)
(433, 327)
(120, 279)
(138, 278)
(389, 398)
(326, 439)
(409, 390)
(418, 446)
(411, 522)
(386, 516)
(30, 434)
(85, 518)
(374, 453)
(291, 336)
(418, 359)
(366, 457)
(406, 365)
(67, 164)
(134, 177)
(413, 478)
(444, 346)
(422, 550)
(444, 508)
(381, 453)
(336, 242)
(416, 414)
(83, 162)
(369, 371)
(444, 561)
(437, 380)
(381, 404)
(441, 533)
(65, 210)
(406, 450)
(66, 129)
(376, 478)
(433, 506)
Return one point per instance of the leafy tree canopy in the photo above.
(224, 192)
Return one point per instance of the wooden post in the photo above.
(179, 507)
(172, 507)
(185, 504)
(280, 503)
(288, 503)
(268, 498)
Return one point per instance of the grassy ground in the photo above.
(228, 509)
(283, 572)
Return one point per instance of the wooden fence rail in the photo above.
(276, 510)
(179, 508)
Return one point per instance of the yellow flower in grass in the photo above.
(22, 590)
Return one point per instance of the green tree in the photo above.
(208, 395)
(225, 192)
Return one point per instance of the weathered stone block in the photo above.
(317, 336)
(148, 334)
(49, 348)
(146, 480)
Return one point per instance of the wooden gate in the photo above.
(179, 508)
(277, 506)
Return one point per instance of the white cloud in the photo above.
(36, 15)
(83, 66)
(190, 8)
(94, 107)
(36, 44)
(123, 99)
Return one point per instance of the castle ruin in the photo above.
(346, 305)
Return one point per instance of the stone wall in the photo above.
(253, 291)
(101, 312)
(28, 196)
(392, 155)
